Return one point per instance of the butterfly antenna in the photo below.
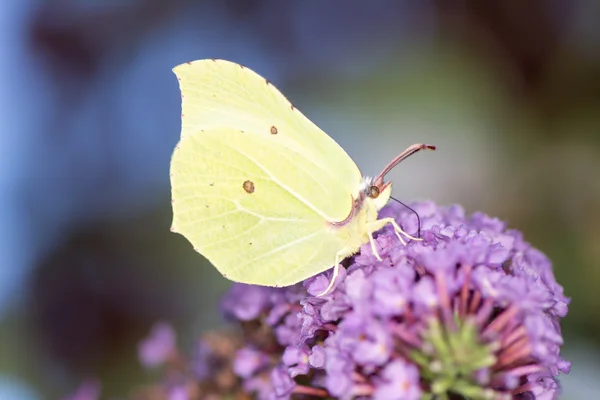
(416, 213)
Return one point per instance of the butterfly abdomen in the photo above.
(353, 232)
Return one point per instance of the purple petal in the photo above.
(317, 357)
(400, 381)
(283, 384)
(248, 361)
(245, 302)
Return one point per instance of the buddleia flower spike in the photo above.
(470, 312)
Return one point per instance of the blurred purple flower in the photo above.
(199, 363)
(400, 381)
(158, 347)
(283, 384)
(248, 302)
(88, 390)
(296, 359)
(248, 362)
(472, 310)
(212, 370)
(179, 392)
(260, 385)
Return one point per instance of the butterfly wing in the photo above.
(251, 206)
(218, 93)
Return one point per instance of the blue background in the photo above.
(508, 91)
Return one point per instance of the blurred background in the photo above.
(509, 91)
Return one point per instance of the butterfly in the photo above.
(259, 190)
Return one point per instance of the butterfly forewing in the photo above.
(218, 93)
(247, 217)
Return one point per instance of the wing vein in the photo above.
(284, 187)
(276, 250)
(285, 277)
(244, 174)
(229, 238)
(204, 219)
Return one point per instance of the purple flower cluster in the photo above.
(208, 372)
(471, 311)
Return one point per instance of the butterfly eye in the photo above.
(374, 192)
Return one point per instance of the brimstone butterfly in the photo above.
(259, 190)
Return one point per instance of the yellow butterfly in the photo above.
(259, 190)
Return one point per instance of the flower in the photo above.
(400, 380)
(158, 347)
(248, 361)
(213, 368)
(472, 310)
(88, 390)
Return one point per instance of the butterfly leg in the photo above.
(336, 272)
(399, 231)
(372, 241)
(380, 223)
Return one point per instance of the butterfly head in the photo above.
(377, 190)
